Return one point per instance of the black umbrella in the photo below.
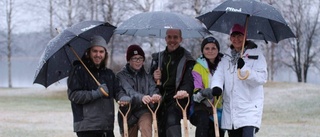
(56, 61)
(261, 21)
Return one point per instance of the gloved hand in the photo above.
(198, 97)
(206, 93)
(240, 63)
(125, 99)
(104, 87)
(216, 91)
(98, 92)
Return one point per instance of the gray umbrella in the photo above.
(264, 21)
(56, 61)
(155, 24)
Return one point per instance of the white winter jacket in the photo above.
(242, 99)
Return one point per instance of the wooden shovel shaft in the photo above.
(215, 119)
(154, 119)
(125, 121)
(184, 115)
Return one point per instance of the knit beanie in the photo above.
(207, 40)
(134, 50)
(98, 41)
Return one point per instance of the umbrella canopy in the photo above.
(155, 24)
(264, 21)
(56, 60)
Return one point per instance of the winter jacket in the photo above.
(89, 113)
(242, 99)
(176, 75)
(202, 76)
(202, 80)
(136, 84)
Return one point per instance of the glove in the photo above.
(198, 97)
(206, 93)
(98, 92)
(125, 99)
(216, 91)
(240, 63)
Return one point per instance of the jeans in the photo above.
(108, 133)
(247, 131)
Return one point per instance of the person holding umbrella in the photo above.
(201, 110)
(176, 64)
(93, 111)
(242, 99)
(139, 85)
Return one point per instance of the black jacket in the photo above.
(89, 113)
(176, 68)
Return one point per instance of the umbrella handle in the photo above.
(75, 53)
(125, 121)
(242, 49)
(244, 77)
(158, 81)
(215, 117)
(184, 114)
(154, 118)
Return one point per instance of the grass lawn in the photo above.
(290, 110)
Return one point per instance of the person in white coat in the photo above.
(242, 99)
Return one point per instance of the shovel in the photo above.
(184, 114)
(215, 117)
(125, 123)
(154, 118)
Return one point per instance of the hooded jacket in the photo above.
(136, 84)
(242, 99)
(91, 113)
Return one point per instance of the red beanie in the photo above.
(134, 50)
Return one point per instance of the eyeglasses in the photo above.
(137, 59)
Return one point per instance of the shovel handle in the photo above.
(154, 118)
(215, 118)
(125, 123)
(184, 114)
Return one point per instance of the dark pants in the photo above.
(247, 131)
(169, 117)
(95, 134)
(204, 125)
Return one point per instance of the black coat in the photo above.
(89, 113)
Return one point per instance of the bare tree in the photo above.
(270, 50)
(304, 21)
(9, 15)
